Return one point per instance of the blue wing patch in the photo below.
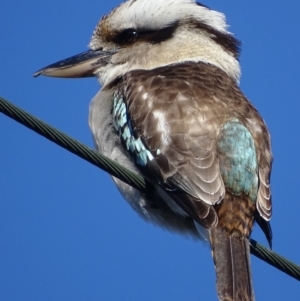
(123, 125)
(238, 160)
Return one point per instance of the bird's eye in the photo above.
(128, 36)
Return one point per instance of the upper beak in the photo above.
(81, 65)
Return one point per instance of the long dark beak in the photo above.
(81, 65)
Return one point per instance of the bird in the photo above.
(170, 109)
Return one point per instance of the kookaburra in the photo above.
(170, 109)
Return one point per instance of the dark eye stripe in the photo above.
(129, 36)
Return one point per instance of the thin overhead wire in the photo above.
(71, 144)
(124, 174)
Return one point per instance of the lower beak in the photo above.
(81, 65)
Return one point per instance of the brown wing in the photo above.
(177, 111)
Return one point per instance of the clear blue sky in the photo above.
(65, 232)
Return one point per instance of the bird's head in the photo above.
(143, 34)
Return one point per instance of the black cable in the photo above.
(71, 145)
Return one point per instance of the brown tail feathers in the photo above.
(230, 249)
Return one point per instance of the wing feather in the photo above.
(178, 112)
